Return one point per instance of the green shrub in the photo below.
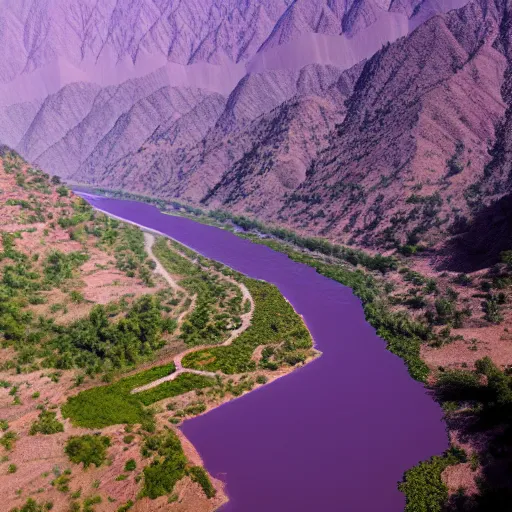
(261, 379)
(163, 473)
(76, 297)
(127, 506)
(458, 385)
(130, 465)
(199, 475)
(90, 502)
(32, 506)
(87, 449)
(59, 266)
(8, 440)
(46, 424)
(61, 483)
(423, 487)
(492, 310)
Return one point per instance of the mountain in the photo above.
(201, 100)
(383, 124)
(418, 137)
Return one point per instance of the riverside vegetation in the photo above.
(85, 322)
(439, 325)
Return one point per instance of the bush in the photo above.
(127, 506)
(59, 266)
(8, 440)
(199, 475)
(458, 385)
(163, 473)
(130, 465)
(423, 487)
(492, 310)
(444, 309)
(76, 297)
(32, 506)
(87, 449)
(46, 424)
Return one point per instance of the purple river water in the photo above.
(335, 435)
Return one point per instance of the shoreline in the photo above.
(421, 462)
(271, 376)
(159, 233)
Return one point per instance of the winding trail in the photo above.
(149, 240)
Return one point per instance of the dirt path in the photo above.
(246, 321)
(149, 240)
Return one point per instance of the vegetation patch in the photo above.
(422, 485)
(403, 334)
(46, 424)
(274, 322)
(32, 505)
(218, 302)
(183, 383)
(199, 475)
(113, 404)
(92, 341)
(87, 449)
(168, 465)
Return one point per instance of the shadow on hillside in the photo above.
(482, 241)
(493, 471)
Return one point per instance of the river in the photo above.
(335, 435)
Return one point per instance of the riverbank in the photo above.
(185, 237)
(179, 392)
(397, 300)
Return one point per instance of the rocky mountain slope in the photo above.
(176, 98)
(418, 135)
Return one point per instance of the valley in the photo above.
(450, 328)
(199, 198)
(96, 318)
